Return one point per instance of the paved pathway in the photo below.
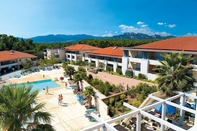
(66, 117)
(114, 79)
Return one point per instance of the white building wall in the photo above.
(151, 76)
(115, 64)
(124, 64)
(61, 53)
(105, 64)
(96, 62)
(144, 66)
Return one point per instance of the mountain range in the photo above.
(74, 38)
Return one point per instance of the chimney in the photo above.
(114, 47)
(11, 52)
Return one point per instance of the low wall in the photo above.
(103, 109)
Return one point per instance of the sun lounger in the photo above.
(90, 110)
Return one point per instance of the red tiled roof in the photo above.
(7, 55)
(109, 51)
(188, 43)
(81, 47)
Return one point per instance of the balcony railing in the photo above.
(7, 63)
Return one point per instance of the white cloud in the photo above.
(145, 30)
(107, 35)
(171, 25)
(144, 26)
(163, 33)
(160, 23)
(116, 32)
(140, 23)
(191, 34)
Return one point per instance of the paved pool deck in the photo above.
(66, 117)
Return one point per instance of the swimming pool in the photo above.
(40, 85)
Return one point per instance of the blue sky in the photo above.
(28, 18)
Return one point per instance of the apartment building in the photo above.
(110, 56)
(12, 60)
(77, 51)
(144, 58)
(56, 53)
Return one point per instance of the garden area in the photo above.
(134, 95)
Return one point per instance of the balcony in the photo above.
(56, 54)
(86, 58)
(9, 65)
(154, 62)
(93, 59)
(110, 62)
(119, 64)
(137, 60)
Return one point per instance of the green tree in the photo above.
(27, 64)
(70, 71)
(174, 73)
(42, 62)
(16, 109)
(64, 65)
(81, 69)
(78, 78)
(89, 92)
(52, 61)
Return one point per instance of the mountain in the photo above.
(140, 36)
(75, 38)
(61, 38)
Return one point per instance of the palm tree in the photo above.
(89, 92)
(17, 111)
(175, 74)
(70, 71)
(78, 78)
(64, 65)
(43, 127)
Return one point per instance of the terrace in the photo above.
(145, 118)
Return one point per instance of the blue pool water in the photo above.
(40, 85)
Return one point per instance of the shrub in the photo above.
(106, 101)
(118, 104)
(90, 77)
(78, 62)
(129, 73)
(141, 76)
(119, 71)
(111, 101)
(92, 64)
(136, 103)
(99, 70)
(122, 96)
(72, 62)
(112, 111)
(81, 69)
(109, 68)
(95, 82)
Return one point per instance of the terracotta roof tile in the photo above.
(109, 51)
(81, 47)
(7, 55)
(188, 43)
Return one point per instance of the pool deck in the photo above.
(66, 117)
